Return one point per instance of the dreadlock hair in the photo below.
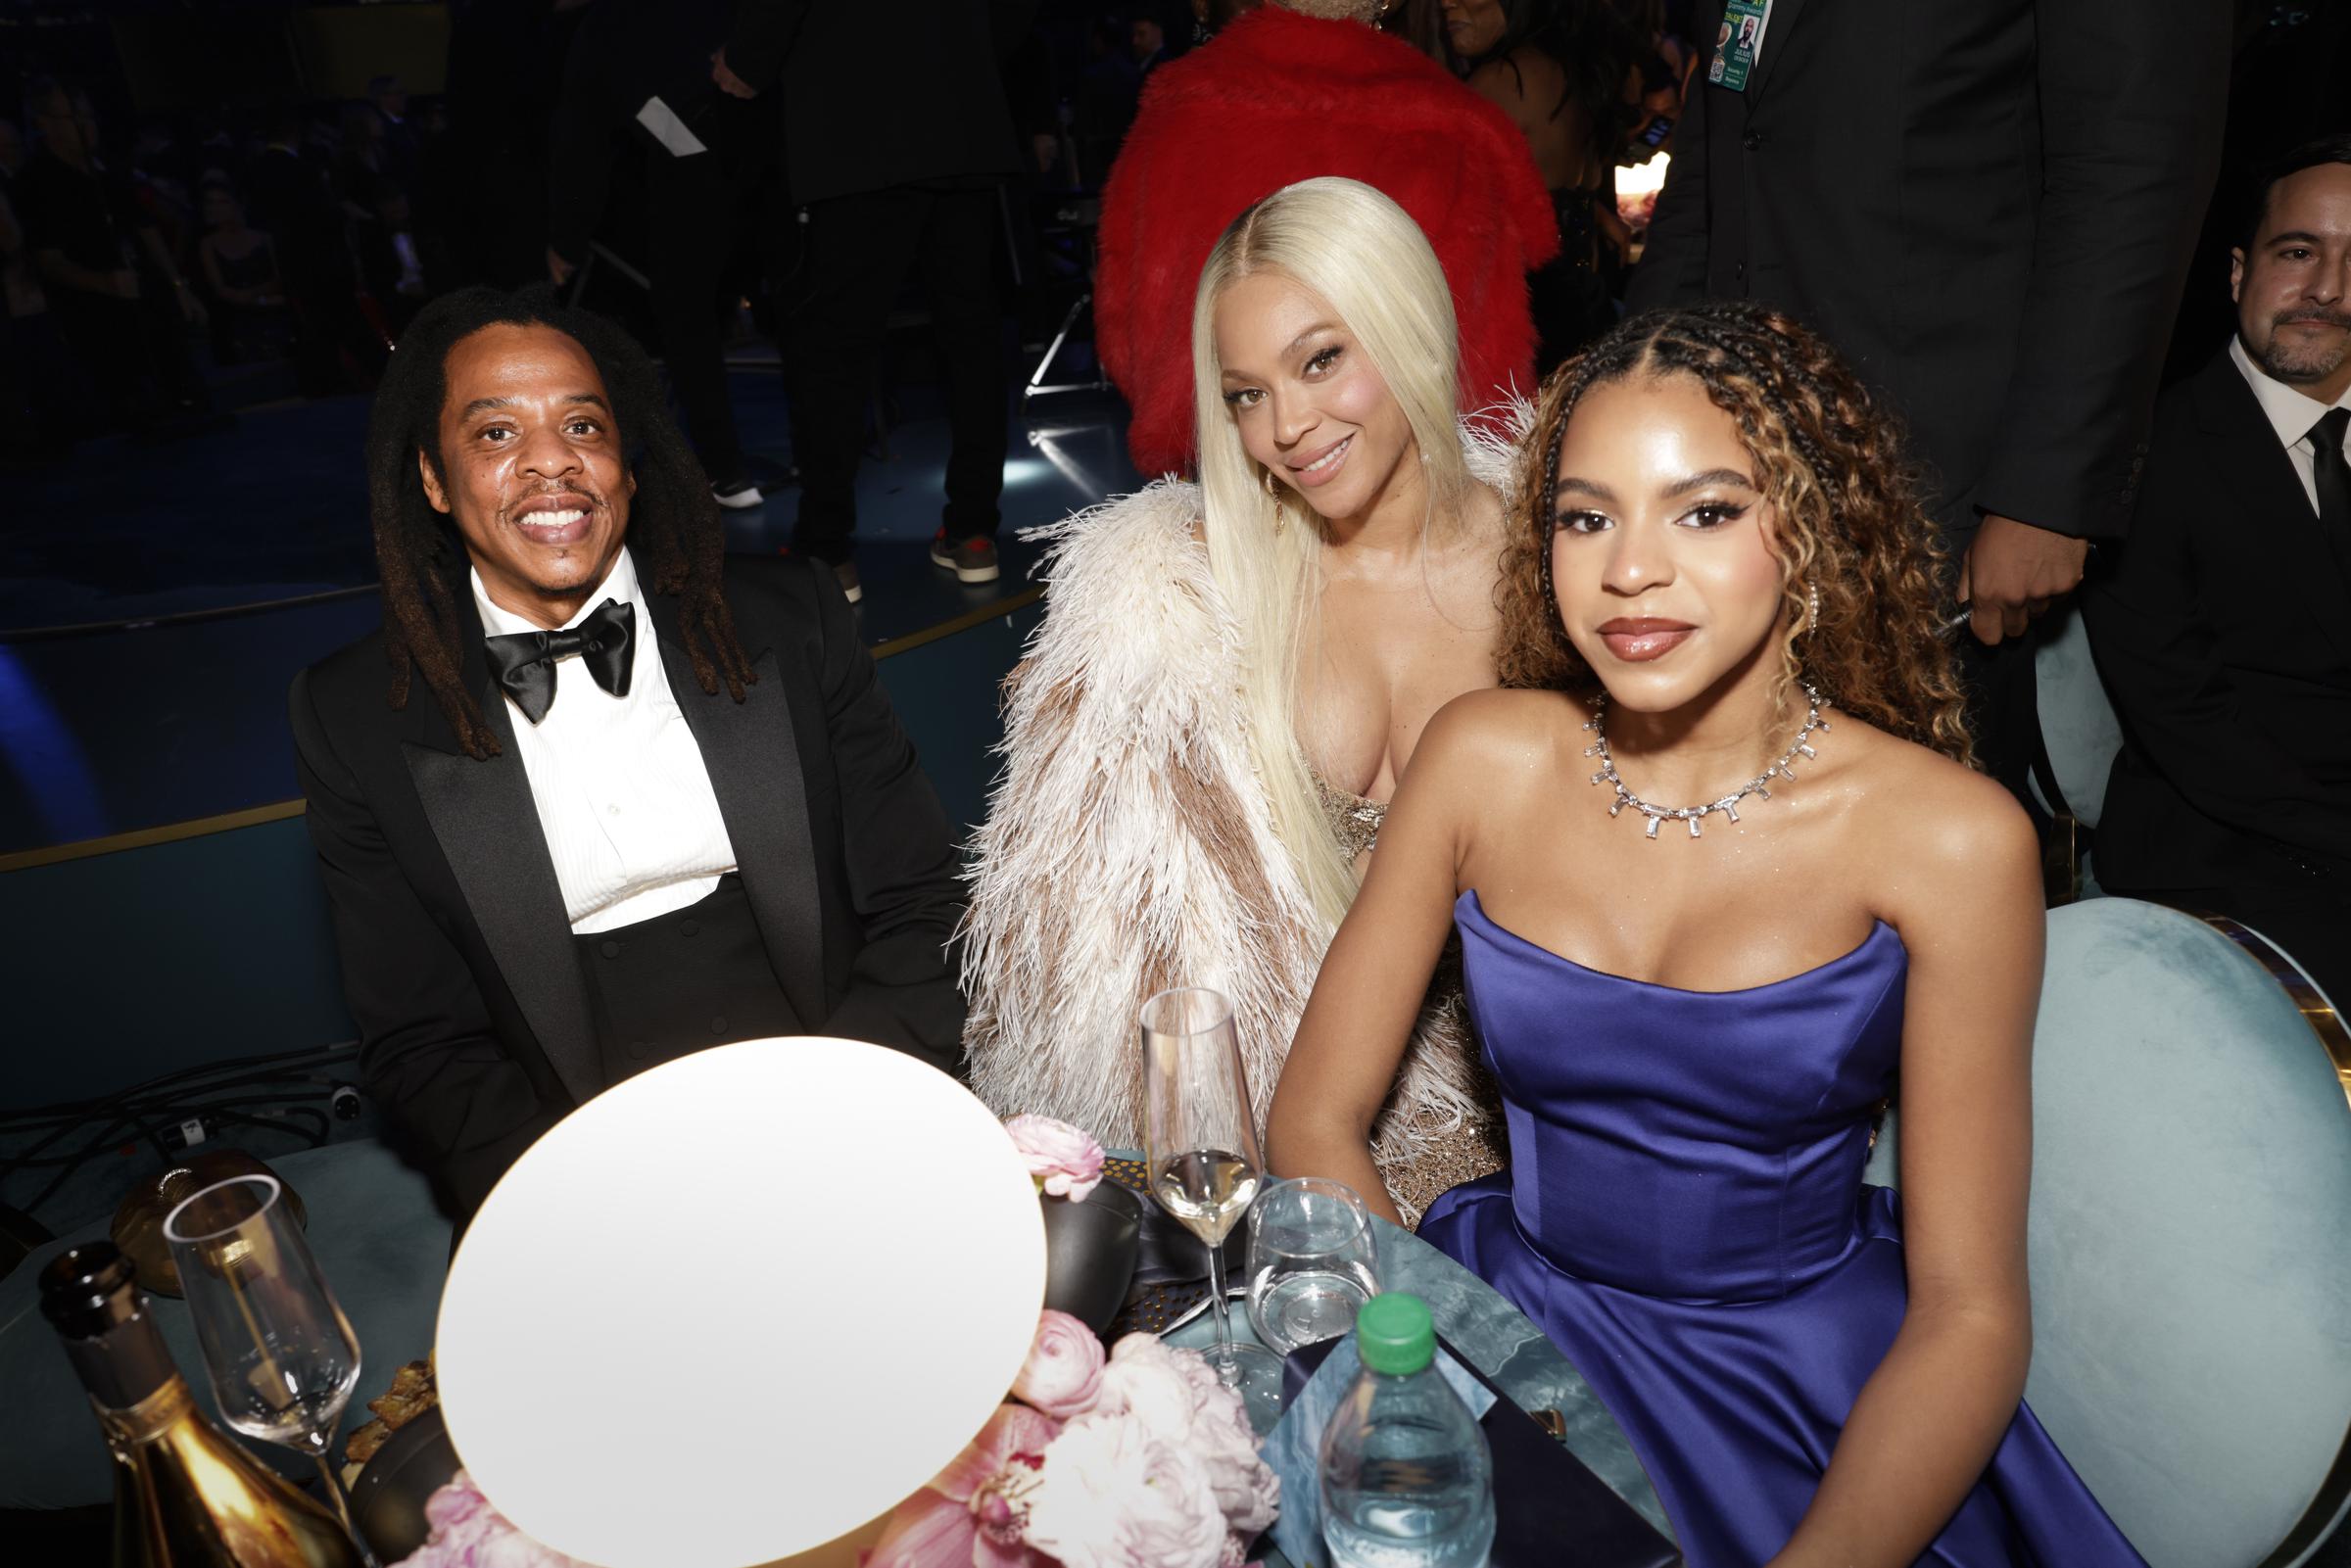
(1849, 524)
(674, 527)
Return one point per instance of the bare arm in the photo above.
(1930, 1416)
(1368, 994)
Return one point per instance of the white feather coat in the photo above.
(1129, 847)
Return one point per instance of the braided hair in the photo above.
(674, 526)
(1849, 522)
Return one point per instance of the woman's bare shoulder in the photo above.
(1936, 827)
(1500, 727)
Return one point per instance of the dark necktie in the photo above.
(2332, 477)
(525, 663)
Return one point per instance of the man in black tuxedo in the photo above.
(1989, 209)
(2225, 631)
(652, 800)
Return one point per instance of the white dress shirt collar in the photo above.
(2290, 411)
(620, 583)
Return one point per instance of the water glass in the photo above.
(1313, 1261)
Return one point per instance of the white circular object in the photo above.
(739, 1304)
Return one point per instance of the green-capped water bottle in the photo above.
(1407, 1481)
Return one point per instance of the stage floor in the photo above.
(155, 600)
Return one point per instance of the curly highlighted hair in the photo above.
(1849, 521)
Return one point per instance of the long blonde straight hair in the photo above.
(1364, 256)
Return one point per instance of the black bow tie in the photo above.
(525, 662)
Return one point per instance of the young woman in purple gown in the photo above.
(1721, 873)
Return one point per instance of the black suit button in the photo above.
(690, 928)
(718, 1025)
(610, 950)
(1752, 141)
(639, 1048)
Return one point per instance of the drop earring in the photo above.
(1813, 609)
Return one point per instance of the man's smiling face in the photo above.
(531, 468)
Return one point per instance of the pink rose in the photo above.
(1065, 1161)
(1062, 1374)
(1113, 1496)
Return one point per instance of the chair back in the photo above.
(2078, 725)
(2189, 1241)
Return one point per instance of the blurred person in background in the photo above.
(239, 269)
(120, 302)
(1283, 93)
(634, 65)
(2051, 160)
(35, 420)
(898, 177)
(292, 195)
(1559, 68)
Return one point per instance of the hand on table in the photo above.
(2013, 571)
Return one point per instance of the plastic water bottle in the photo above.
(1407, 1481)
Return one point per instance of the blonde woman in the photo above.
(1230, 679)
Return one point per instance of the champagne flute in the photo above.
(280, 1353)
(1313, 1261)
(1200, 1137)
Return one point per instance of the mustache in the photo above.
(2333, 319)
(580, 488)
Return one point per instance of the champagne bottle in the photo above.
(186, 1494)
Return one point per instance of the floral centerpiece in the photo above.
(1140, 1459)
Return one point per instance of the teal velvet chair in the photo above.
(2078, 723)
(2190, 1237)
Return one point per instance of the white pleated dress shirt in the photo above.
(623, 797)
(2290, 414)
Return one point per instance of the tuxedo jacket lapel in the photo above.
(488, 827)
(2249, 453)
(753, 760)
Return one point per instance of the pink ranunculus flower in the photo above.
(1063, 1376)
(1174, 1394)
(1065, 1160)
(974, 1513)
(1113, 1496)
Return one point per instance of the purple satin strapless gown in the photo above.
(1684, 1215)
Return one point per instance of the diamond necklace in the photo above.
(1728, 805)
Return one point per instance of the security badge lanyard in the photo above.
(1735, 47)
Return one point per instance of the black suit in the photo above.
(896, 138)
(457, 958)
(2225, 637)
(1986, 207)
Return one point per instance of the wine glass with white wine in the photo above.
(1200, 1137)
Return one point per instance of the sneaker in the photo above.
(972, 560)
(736, 495)
(845, 573)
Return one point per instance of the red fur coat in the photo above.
(1275, 97)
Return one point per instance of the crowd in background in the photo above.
(160, 269)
